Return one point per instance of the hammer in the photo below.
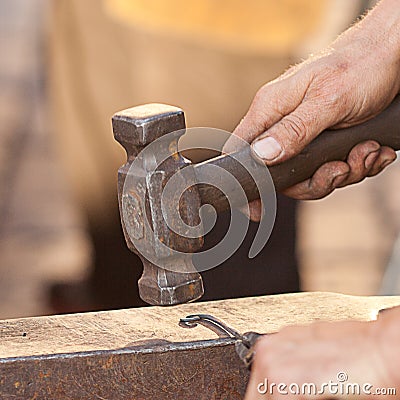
(138, 127)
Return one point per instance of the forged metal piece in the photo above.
(217, 326)
(244, 344)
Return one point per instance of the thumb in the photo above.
(272, 101)
(292, 133)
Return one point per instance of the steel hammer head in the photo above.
(141, 182)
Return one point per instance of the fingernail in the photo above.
(267, 149)
(371, 158)
(386, 163)
(339, 179)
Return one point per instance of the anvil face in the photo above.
(143, 353)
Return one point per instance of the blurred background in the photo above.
(67, 66)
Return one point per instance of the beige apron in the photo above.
(207, 56)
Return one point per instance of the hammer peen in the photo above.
(137, 127)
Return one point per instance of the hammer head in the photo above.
(170, 277)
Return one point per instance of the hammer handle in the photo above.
(330, 145)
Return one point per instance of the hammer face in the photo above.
(141, 125)
(162, 287)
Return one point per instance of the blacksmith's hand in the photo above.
(348, 83)
(356, 360)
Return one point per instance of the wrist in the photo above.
(376, 40)
(384, 23)
(381, 26)
(387, 16)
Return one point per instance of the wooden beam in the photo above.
(142, 353)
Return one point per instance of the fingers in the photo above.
(386, 156)
(360, 160)
(365, 159)
(328, 177)
(291, 134)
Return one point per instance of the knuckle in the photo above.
(260, 96)
(296, 127)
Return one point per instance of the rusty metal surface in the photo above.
(144, 354)
(200, 370)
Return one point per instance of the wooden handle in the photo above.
(330, 145)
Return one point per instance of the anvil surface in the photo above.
(142, 353)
